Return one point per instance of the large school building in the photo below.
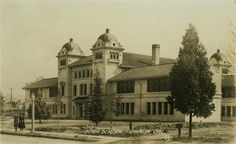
(141, 81)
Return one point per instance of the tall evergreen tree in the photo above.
(192, 89)
(96, 110)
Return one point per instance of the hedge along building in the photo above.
(141, 81)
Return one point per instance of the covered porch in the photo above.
(81, 103)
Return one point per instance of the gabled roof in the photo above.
(137, 60)
(229, 80)
(47, 82)
(129, 60)
(144, 72)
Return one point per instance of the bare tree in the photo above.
(230, 47)
(58, 102)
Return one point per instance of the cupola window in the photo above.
(114, 55)
(62, 62)
(98, 55)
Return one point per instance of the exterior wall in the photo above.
(228, 102)
(65, 76)
(140, 98)
(48, 100)
(75, 105)
(106, 66)
(77, 81)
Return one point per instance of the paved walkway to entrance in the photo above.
(63, 136)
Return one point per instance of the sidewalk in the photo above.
(63, 136)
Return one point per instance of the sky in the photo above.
(33, 31)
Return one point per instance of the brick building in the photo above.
(141, 81)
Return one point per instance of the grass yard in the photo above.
(216, 133)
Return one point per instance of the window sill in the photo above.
(113, 60)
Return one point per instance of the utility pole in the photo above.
(11, 94)
(32, 121)
(12, 111)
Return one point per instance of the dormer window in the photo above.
(114, 44)
(98, 55)
(98, 44)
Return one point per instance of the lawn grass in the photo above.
(223, 132)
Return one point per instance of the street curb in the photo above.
(53, 136)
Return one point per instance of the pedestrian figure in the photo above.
(16, 122)
(21, 122)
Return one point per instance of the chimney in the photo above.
(71, 39)
(107, 30)
(155, 54)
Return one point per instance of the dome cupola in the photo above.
(218, 59)
(71, 48)
(107, 40)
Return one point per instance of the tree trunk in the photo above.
(96, 123)
(40, 120)
(190, 125)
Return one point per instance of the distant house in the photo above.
(141, 80)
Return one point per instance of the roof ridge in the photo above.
(50, 78)
(137, 54)
(148, 55)
(153, 65)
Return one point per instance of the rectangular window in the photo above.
(122, 108)
(79, 74)
(159, 108)
(62, 62)
(131, 108)
(91, 73)
(158, 84)
(91, 89)
(222, 110)
(125, 87)
(234, 111)
(83, 73)
(165, 108)
(228, 92)
(88, 73)
(171, 110)
(127, 108)
(114, 55)
(75, 75)
(61, 110)
(85, 89)
(148, 108)
(52, 91)
(62, 90)
(228, 110)
(73, 110)
(154, 108)
(81, 89)
(64, 108)
(75, 90)
(98, 55)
